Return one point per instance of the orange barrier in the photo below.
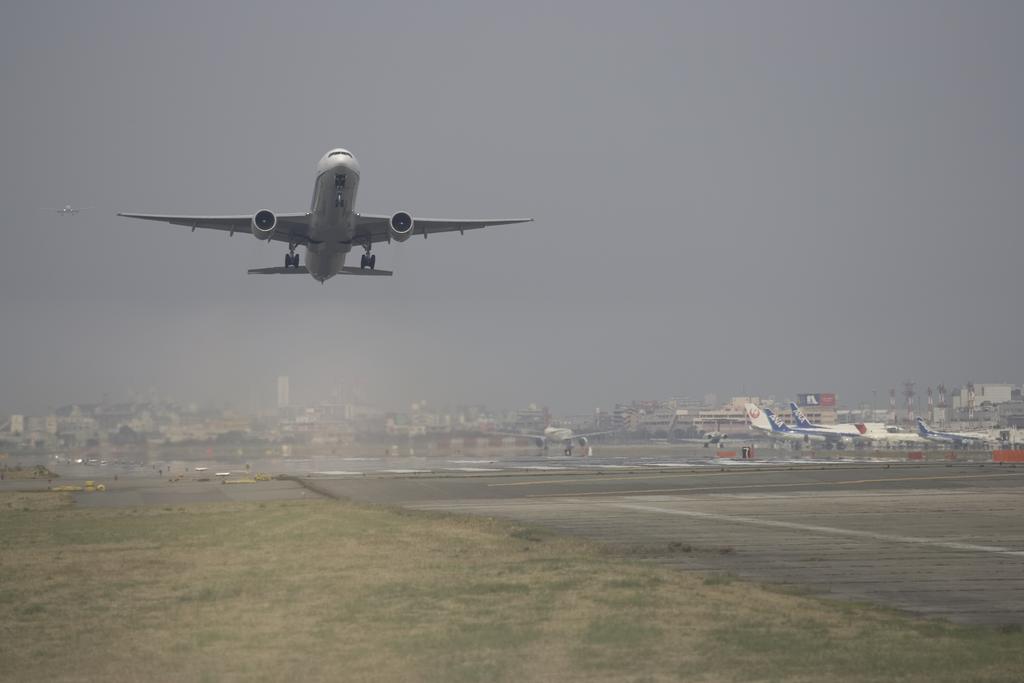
(915, 455)
(1007, 456)
(726, 454)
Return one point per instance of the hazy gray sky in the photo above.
(770, 197)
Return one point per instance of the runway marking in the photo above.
(828, 530)
(840, 482)
(610, 478)
(471, 469)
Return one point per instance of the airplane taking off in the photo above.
(957, 439)
(331, 228)
(559, 434)
(69, 210)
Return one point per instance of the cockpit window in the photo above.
(339, 152)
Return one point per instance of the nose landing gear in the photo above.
(291, 260)
(368, 260)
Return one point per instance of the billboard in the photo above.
(816, 400)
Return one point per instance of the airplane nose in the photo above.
(338, 162)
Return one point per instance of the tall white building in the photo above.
(282, 391)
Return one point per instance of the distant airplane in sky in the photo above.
(69, 210)
(331, 228)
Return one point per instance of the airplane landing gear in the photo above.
(368, 260)
(291, 260)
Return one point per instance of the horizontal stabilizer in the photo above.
(302, 270)
(349, 270)
(279, 270)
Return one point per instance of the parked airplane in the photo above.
(892, 436)
(331, 228)
(69, 210)
(562, 435)
(957, 439)
(837, 434)
(765, 420)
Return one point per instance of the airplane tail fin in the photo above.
(757, 418)
(798, 415)
(777, 424)
(923, 428)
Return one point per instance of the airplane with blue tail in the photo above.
(838, 434)
(764, 420)
(957, 439)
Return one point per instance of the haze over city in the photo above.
(741, 198)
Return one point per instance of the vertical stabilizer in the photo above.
(799, 417)
(757, 418)
(778, 425)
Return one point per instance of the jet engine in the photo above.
(264, 223)
(400, 226)
(582, 440)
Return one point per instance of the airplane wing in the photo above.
(291, 227)
(375, 228)
(525, 436)
(578, 436)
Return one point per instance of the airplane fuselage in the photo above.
(332, 214)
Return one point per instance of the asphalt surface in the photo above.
(935, 540)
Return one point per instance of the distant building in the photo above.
(17, 424)
(1011, 413)
(983, 393)
(625, 418)
(283, 400)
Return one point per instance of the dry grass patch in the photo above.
(316, 590)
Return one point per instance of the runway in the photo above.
(942, 539)
(936, 540)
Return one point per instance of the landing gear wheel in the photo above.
(287, 260)
(362, 262)
(372, 261)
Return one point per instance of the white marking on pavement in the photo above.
(471, 469)
(827, 530)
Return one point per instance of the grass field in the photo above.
(319, 590)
